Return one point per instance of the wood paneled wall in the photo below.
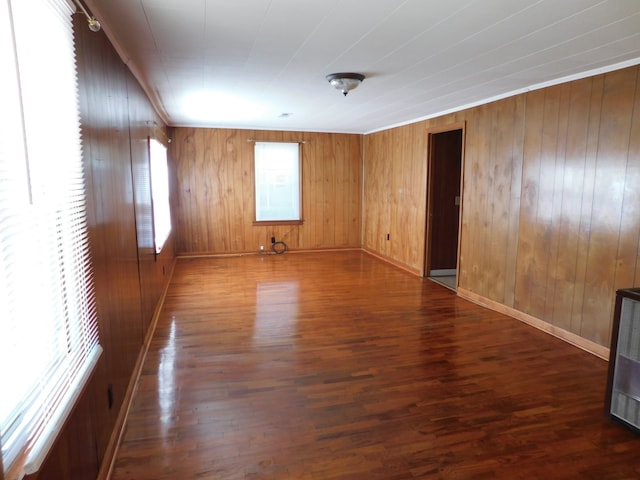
(395, 192)
(154, 269)
(129, 279)
(551, 199)
(213, 198)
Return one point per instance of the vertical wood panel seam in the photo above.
(552, 221)
(520, 139)
(593, 192)
(560, 145)
(615, 276)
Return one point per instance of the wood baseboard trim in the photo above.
(324, 249)
(569, 337)
(222, 254)
(264, 252)
(393, 262)
(108, 461)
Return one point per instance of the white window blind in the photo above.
(48, 328)
(277, 181)
(159, 193)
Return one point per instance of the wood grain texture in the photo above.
(606, 215)
(593, 114)
(468, 270)
(550, 223)
(111, 222)
(503, 200)
(297, 367)
(213, 202)
(478, 199)
(567, 231)
(395, 189)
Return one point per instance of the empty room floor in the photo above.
(336, 365)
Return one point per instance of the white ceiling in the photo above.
(244, 63)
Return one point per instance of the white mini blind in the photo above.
(48, 328)
(277, 181)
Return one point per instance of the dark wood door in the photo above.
(446, 157)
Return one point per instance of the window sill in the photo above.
(261, 223)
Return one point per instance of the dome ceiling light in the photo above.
(345, 81)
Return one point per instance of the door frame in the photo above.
(430, 132)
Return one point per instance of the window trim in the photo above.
(150, 141)
(298, 221)
(268, 223)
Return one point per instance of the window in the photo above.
(159, 193)
(48, 328)
(277, 182)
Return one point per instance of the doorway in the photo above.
(443, 221)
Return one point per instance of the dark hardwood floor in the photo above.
(338, 366)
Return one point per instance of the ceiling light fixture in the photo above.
(345, 81)
(94, 25)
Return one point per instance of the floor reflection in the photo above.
(276, 311)
(166, 379)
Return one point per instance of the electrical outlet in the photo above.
(261, 248)
(273, 239)
(110, 396)
(388, 236)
